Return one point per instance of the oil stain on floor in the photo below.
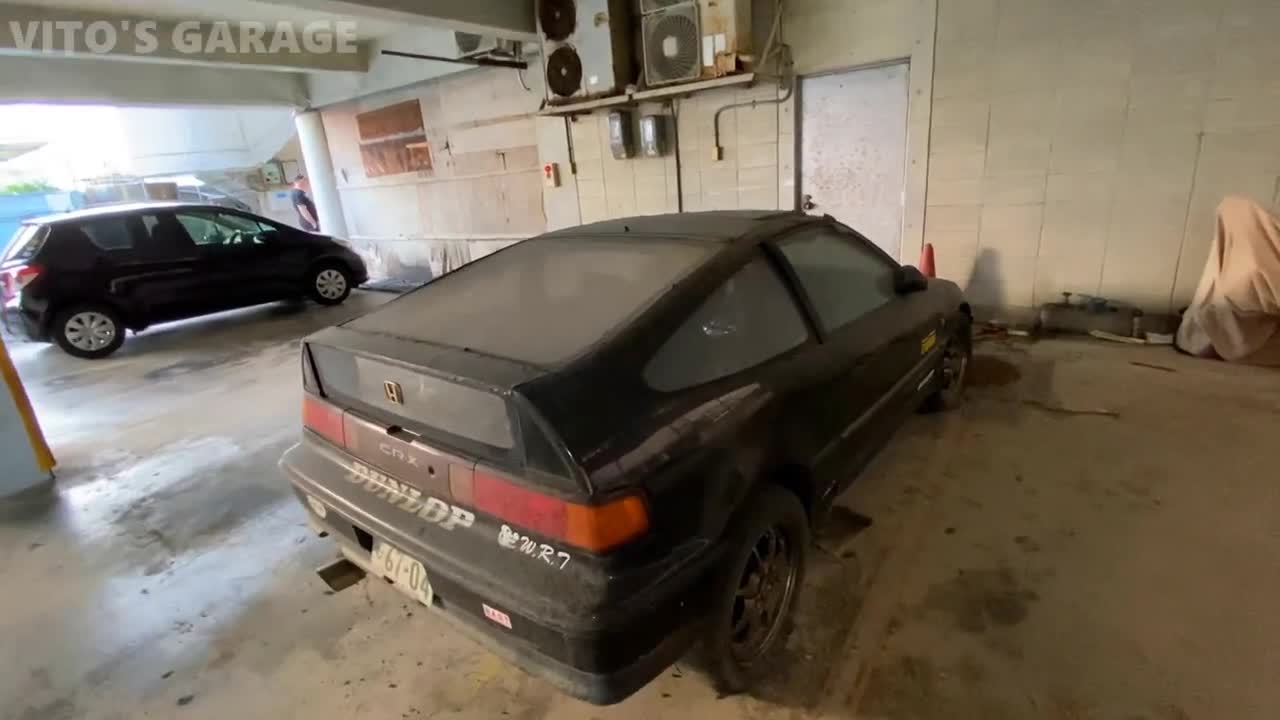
(979, 600)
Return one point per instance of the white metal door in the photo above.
(853, 155)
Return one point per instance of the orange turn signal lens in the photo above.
(603, 527)
(597, 528)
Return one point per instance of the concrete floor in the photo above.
(1022, 560)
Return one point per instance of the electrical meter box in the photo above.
(653, 135)
(622, 137)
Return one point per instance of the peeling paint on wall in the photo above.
(420, 260)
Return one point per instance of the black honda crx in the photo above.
(603, 447)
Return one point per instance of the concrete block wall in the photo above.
(1053, 145)
(746, 176)
(757, 142)
(758, 168)
(610, 188)
(483, 192)
(1083, 145)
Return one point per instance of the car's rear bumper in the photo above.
(33, 323)
(600, 688)
(600, 662)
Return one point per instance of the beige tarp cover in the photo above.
(1236, 311)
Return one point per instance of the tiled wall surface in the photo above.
(758, 167)
(485, 179)
(1082, 145)
(746, 177)
(485, 188)
(1053, 145)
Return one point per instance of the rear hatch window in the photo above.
(469, 418)
(460, 411)
(542, 302)
(26, 243)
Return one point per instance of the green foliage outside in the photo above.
(27, 187)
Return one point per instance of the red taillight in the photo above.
(323, 419)
(23, 276)
(530, 510)
(592, 527)
(20, 277)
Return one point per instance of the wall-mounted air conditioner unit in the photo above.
(587, 47)
(648, 6)
(472, 45)
(694, 39)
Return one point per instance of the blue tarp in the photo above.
(16, 208)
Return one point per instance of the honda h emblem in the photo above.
(394, 392)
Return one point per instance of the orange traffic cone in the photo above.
(927, 264)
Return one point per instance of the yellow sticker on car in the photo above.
(929, 343)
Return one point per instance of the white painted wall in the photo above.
(267, 205)
(1053, 145)
(484, 191)
(1082, 146)
(757, 169)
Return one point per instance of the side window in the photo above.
(163, 238)
(211, 228)
(844, 280)
(201, 227)
(112, 233)
(747, 321)
(243, 230)
(27, 242)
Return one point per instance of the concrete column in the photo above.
(324, 183)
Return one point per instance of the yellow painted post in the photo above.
(39, 447)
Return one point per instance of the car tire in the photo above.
(90, 331)
(329, 284)
(773, 519)
(957, 360)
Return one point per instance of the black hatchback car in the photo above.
(604, 446)
(83, 279)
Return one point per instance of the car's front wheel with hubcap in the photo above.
(89, 331)
(754, 595)
(329, 284)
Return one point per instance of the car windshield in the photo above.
(26, 242)
(543, 301)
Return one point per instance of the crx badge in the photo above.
(394, 392)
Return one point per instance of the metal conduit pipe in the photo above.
(787, 74)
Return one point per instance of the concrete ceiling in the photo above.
(64, 67)
(11, 150)
(236, 10)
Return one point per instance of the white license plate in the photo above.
(403, 571)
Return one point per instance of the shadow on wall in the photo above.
(985, 286)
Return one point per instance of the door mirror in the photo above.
(909, 280)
